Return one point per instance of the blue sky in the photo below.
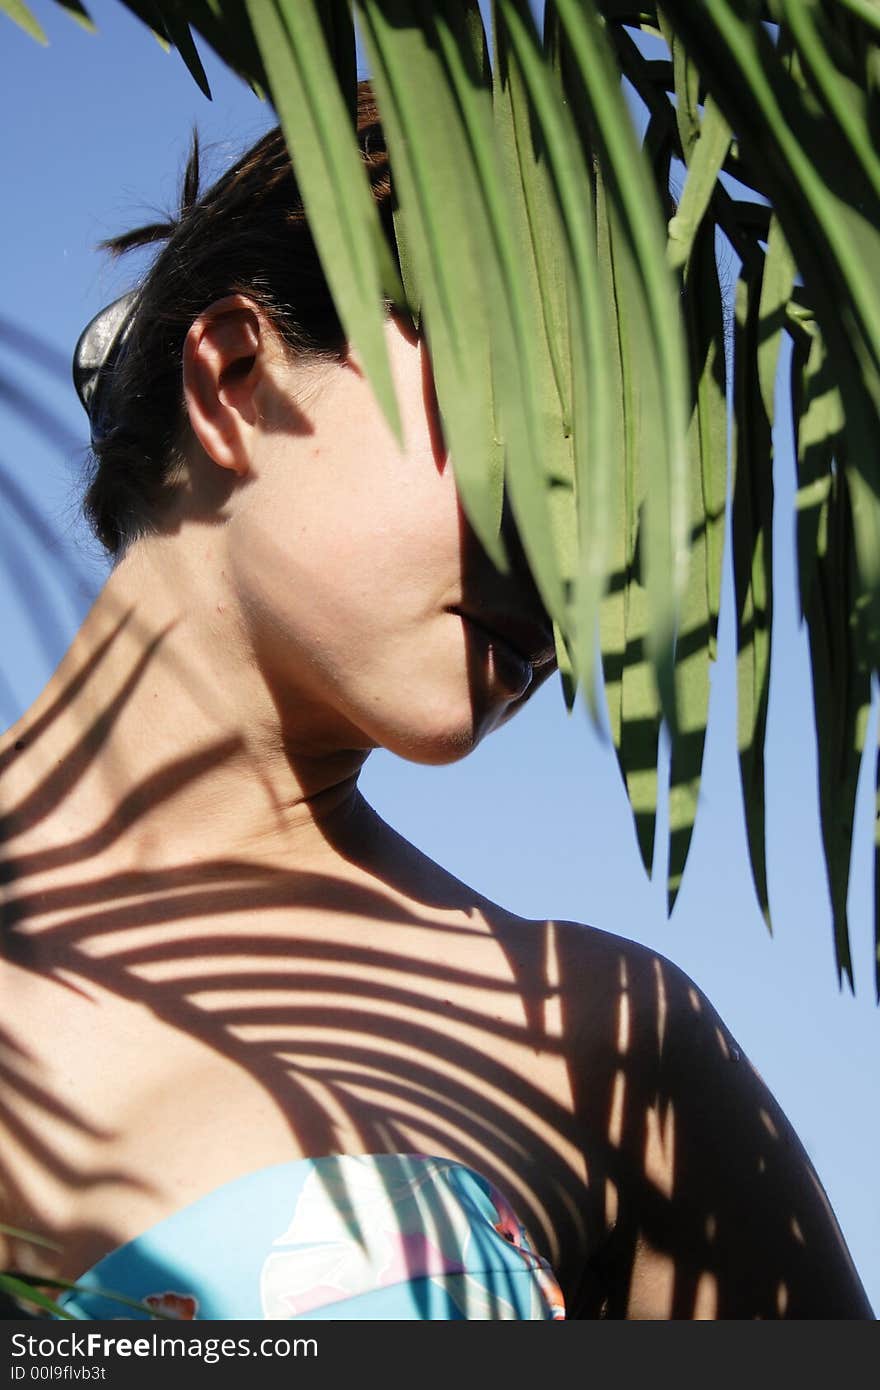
(97, 128)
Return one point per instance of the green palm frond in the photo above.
(534, 199)
(36, 1290)
(19, 13)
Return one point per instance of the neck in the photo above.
(157, 741)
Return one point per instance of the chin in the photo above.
(448, 741)
(433, 752)
(442, 756)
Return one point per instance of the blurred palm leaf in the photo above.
(33, 1290)
(602, 399)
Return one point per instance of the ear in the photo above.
(223, 363)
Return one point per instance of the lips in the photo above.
(531, 640)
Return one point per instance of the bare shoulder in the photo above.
(712, 1207)
(614, 993)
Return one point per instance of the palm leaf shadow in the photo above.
(380, 1060)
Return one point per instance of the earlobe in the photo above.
(221, 369)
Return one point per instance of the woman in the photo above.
(261, 1056)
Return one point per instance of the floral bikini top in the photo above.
(381, 1236)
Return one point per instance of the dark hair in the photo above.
(247, 234)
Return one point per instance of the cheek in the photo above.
(351, 575)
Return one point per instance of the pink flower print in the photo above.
(180, 1306)
(361, 1223)
(511, 1228)
(358, 1225)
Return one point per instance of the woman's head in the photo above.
(243, 432)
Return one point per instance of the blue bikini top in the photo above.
(376, 1236)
